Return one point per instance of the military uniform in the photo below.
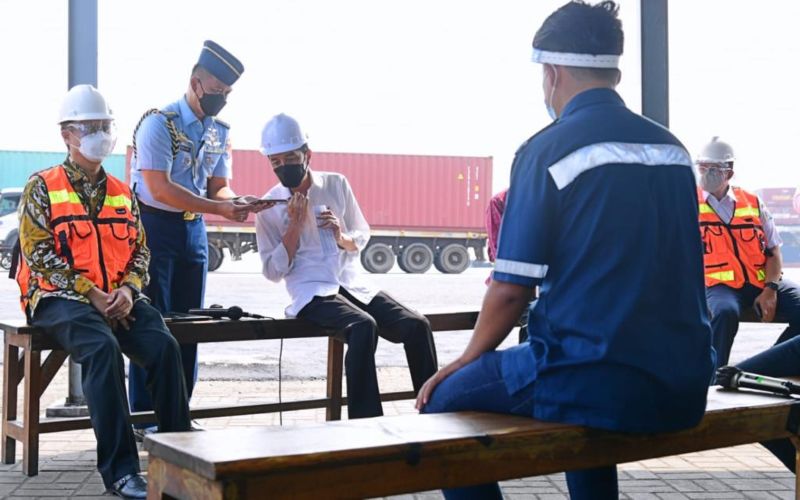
(190, 150)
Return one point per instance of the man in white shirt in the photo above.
(312, 242)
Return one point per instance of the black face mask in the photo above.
(211, 104)
(291, 174)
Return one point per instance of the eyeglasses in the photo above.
(705, 166)
(89, 128)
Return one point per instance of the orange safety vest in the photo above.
(99, 248)
(734, 252)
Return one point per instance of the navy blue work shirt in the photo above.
(602, 214)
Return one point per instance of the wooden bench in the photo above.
(27, 367)
(394, 455)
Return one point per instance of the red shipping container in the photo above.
(395, 192)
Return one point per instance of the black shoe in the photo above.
(195, 427)
(140, 433)
(130, 486)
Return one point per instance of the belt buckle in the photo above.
(189, 216)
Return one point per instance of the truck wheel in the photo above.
(215, 257)
(452, 259)
(377, 258)
(416, 258)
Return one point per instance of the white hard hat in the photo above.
(282, 133)
(716, 151)
(84, 102)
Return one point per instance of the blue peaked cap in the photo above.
(220, 63)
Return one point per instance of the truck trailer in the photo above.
(423, 211)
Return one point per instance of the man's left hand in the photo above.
(328, 220)
(120, 303)
(767, 301)
(425, 392)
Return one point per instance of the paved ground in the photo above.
(246, 372)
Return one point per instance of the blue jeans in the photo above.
(178, 264)
(480, 386)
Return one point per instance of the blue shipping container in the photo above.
(17, 166)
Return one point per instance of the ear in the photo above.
(308, 155)
(548, 71)
(65, 135)
(194, 82)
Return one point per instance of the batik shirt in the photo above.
(38, 243)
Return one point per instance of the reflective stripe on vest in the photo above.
(63, 196)
(99, 248)
(734, 251)
(721, 276)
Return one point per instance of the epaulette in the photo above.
(173, 132)
(224, 124)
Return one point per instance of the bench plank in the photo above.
(392, 455)
(19, 336)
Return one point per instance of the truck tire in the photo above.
(452, 259)
(8, 245)
(377, 258)
(215, 257)
(416, 258)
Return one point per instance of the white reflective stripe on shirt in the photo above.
(520, 268)
(586, 158)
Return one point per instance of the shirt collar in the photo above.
(316, 180)
(591, 97)
(77, 176)
(729, 195)
(187, 115)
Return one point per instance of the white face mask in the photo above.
(97, 146)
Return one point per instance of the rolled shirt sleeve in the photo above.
(770, 232)
(356, 225)
(527, 233)
(274, 257)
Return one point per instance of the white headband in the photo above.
(572, 59)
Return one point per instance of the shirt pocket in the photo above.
(183, 162)
(209, 163)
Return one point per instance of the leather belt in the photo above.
(184, 216)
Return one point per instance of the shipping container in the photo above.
(17, 166)
(423, 210)
(781, 204)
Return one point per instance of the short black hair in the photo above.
(582, 28)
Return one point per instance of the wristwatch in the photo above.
(771, 285)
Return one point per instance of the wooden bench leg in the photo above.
(11, 377)
(334, 386)
(30, 441)
(166, 481)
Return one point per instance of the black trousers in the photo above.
(82, 331)
(360, 325)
